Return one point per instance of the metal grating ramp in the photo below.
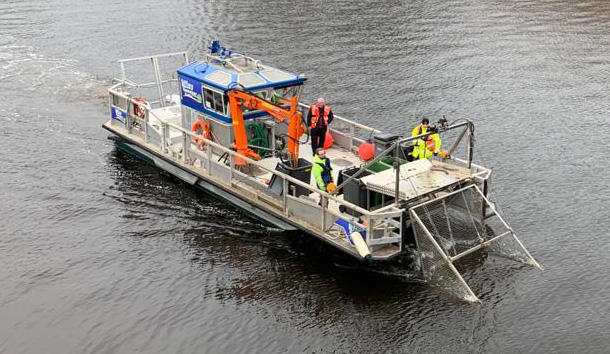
(451, 227)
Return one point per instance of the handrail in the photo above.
(351, 122)
(146, 84)
(281, 174)
(254, 162)
(330, 196)
(153, 56)
(227, 60)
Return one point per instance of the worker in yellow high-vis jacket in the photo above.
(427, 146)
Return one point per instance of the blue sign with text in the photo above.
(190, 92)
(118, 114)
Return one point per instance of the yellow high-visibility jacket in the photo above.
(421, 150)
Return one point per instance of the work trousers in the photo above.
(317, 138)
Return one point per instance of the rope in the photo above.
(258, 138)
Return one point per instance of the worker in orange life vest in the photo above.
(319, 117)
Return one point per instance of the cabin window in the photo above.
(276, 96)
(290, 92)
(261, 94)
(214, 101)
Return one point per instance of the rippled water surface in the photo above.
(100, 253)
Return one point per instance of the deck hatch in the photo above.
(250, 79)
(276, 75)
(219, 77)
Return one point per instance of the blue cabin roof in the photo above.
(203, 84)
(225, 79)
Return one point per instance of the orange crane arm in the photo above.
(237, 99)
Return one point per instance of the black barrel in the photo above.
(354, 191)
(302, 172)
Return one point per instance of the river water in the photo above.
(103, 254)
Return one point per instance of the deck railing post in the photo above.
(397, 181)
(231, 167)
(470, 145)
(164, 137)
(146, 128)
(155, 62)
(123, 74)
(129, 119)
(285, 195)
(185, 147)
(369, 230)
(323, 202)
(208, 153)
(352, 132)
(273, 142)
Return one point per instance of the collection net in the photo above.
(454, 225)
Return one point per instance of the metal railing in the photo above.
(159, 81)
(352, 139)
(375, 223)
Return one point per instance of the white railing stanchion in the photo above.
(185, 147)
(285, 195)
(208, 153)
(323, 203)
(146, 127)
(231, 168)
(369, 229)
(164, 137)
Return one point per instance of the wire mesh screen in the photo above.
(437, 268)
(454, 225)
(455, 222)
(510, 247)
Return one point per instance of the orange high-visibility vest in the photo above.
(315, 115)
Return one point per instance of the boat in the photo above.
(235, 127)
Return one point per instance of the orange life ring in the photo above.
(204, 129)
(138, 110)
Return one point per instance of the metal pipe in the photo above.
(146, 128)
(185, 148)
(164, 137)
(478, 247)
(155, 62)
(150, 56)
(355, 124)
(323, 204)
(470, 143)
(369, 230)
(457, 141)
(231, 168)
(397, 167)
(208, 154)
(285, 195)
(123, 74)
